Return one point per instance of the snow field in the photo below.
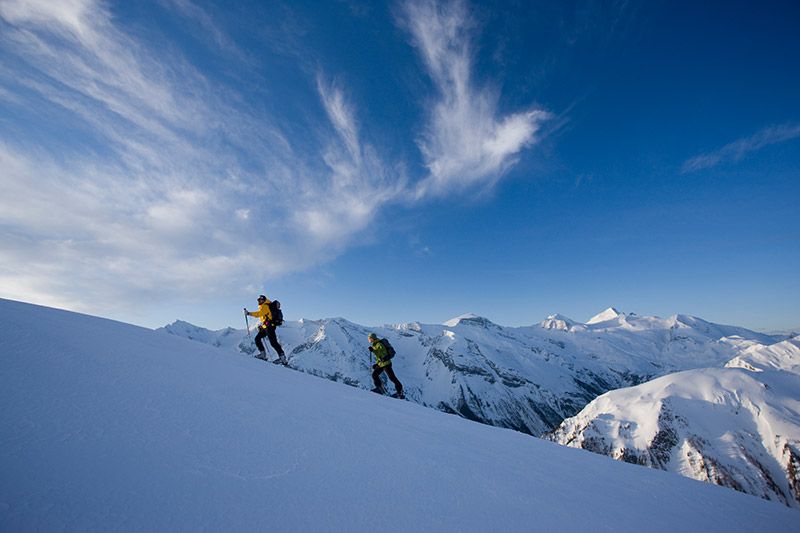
(107, 426)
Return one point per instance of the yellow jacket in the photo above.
(381, 355)
(263, 313)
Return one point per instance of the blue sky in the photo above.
(399, 161)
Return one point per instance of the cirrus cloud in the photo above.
(466, 141)
(740, 148)
(147, 179)
(171, 185)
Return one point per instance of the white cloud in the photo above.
(466, 142)
(167, 186)
(62, 16)
(172, 206)
(87, 235)
(737, 150)
(341, 116)
(204, 24)
(358, 181)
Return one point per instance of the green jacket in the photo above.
(381, 354)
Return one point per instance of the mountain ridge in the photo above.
(535, 378)
(526, 378)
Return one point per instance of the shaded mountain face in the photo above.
(529, 379)
(737, 426)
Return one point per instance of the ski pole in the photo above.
(247, 322)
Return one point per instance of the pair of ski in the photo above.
(279, 361)
(382, 392)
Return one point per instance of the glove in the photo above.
(371, 349)
(245, 310)
(375, 366)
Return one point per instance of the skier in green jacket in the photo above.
(383, 364)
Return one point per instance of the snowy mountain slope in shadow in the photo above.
(529, 379)
(111, 426)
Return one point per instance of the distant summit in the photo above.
(605, 316)
(557, 321)
(219, 338)
(453, 322)
(468, 318)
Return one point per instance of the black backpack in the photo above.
(389, 349)
(275, 311)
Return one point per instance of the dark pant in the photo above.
(268, 332)
(376, 377)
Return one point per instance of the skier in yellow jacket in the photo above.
(266, 329)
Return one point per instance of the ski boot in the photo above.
(262, 356)
(379, 390)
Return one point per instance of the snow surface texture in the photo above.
(529, 379)
(107, 426)
(737, 426)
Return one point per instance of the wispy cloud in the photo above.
(467, 141)
(737, 150)
(340, 115)
(149, 181)
(173, 185)
(205, 24)
(358, 182)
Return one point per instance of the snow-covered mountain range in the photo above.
(526, 378)
(737, 426)
(107, 426)
(534, 378)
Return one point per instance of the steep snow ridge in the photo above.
(528, 379)
(605, 316)
(729, 426)
(107, 426)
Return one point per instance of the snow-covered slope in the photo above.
(737, 426)
(107, 426)
(529, 378)
(779, 356)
